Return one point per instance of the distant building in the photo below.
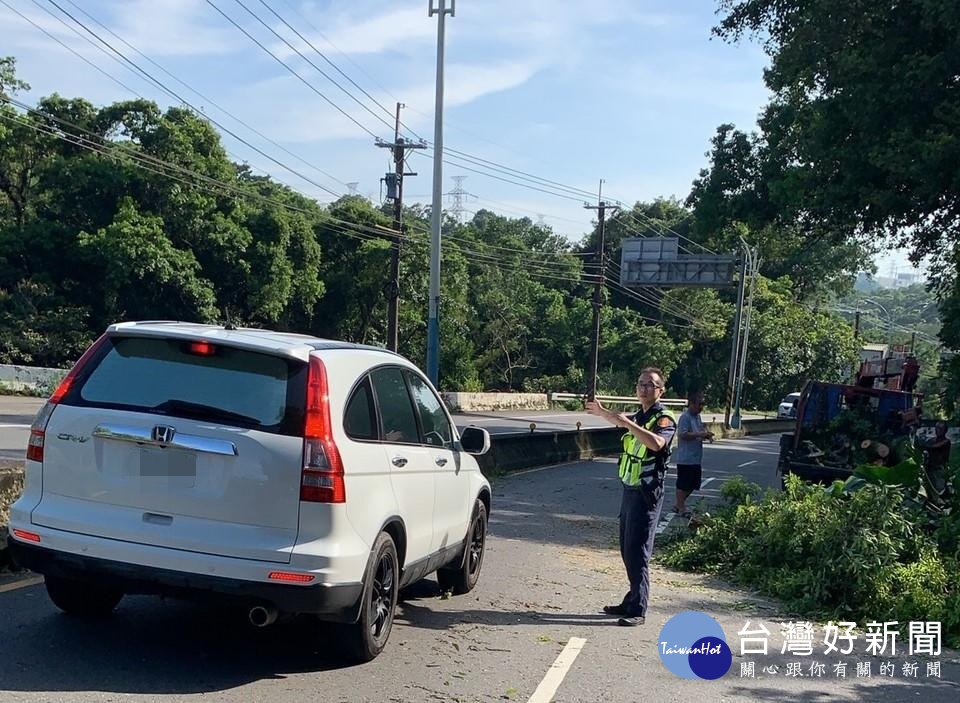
(906, 279)
(867, 283)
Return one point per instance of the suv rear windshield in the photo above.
(222, 384)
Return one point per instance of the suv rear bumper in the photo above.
(334, 602)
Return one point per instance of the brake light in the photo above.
(322, 477)
(290, 577)
(27, 536)
(39, 426)
(202, 348)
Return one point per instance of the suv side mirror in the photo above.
(475, 440)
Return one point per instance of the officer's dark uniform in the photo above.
(642, 472)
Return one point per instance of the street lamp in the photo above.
(752, 258)
(889, 318)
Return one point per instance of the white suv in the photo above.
(788, 406)
(279, 472)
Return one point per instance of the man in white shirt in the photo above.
(689, 454)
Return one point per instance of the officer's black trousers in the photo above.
(638, 526)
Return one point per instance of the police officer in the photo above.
(642, 468)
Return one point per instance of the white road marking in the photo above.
(556, 466)
(33, 581)
(558, 670)
(664, 522)
(740, 466)
(4, 424)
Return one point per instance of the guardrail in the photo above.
(614, 399)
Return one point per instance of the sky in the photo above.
(568, 91)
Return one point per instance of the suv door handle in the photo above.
(441, 461)
(398, 461)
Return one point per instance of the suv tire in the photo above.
(368, 636)
(85, 600)
(462, 578)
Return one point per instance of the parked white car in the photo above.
(279, 472)
(788, 406)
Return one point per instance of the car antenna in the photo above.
(229, 324)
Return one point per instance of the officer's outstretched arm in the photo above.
(651, 440)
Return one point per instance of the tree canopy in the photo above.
(127, 211)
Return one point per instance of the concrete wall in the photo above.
(469, 402)
(20, 378)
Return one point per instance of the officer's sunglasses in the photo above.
(649, 386)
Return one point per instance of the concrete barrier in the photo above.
(528, 450)
(469, 402)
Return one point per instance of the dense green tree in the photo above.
(859, 143)
(734, 200)
(126, 211)
(790, 344)
(864, 123)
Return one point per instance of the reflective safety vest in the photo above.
(637, 461)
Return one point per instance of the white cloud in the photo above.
(464, 83)
(391, 31)
(173, 28)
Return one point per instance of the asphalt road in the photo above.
(551, 562)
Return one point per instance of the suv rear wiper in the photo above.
(200, 411)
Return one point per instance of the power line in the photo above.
(185, 102)
(324, 57)
(286, 66)
(65, 46)
(300, 54)
(201, 95)
(156, 165)
(450, 162)
(354, 63)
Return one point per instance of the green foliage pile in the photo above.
(857, 555)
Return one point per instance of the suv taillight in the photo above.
(322, 477)
(39, 427)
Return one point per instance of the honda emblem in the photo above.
(163, 434)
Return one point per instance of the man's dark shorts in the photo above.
(689, 477)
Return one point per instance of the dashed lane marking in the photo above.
(665, 521)
(746, 463)
(558, 670)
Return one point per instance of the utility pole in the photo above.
(395, 191)
(856, 324)
(735, 343)
(601, 208)
(436, 209)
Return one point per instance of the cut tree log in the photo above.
(875, 449)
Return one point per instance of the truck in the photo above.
(839, 426)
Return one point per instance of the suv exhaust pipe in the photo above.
(262, 615)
